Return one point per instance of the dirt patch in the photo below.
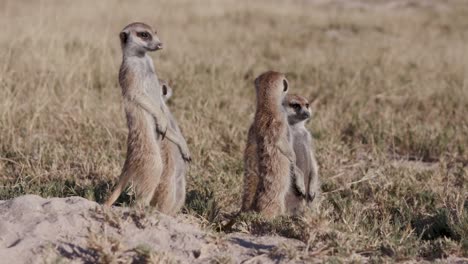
(74, 229)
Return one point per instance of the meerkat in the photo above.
(146, 121)
(269, 157)
(169, 196)
(298, 112)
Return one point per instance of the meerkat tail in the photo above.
(117, 191)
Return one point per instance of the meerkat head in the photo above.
(271, 86)
(297, 108)
(138, 38)
(166, 90)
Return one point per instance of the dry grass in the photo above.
(391, 127)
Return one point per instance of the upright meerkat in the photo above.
(146, 121)
(169, 196)
(298, 112)
(269, 157)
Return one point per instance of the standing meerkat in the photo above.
(269, 157)
(169, 196)
(298, 112)
(146, 121)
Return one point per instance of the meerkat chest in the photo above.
(150, 84)
(151, 87)
(300, 136)
(302, 148)
(143, 70)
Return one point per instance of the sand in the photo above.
(76, 230)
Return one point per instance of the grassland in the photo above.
(390, 122)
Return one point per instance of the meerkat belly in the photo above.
(303, 156)
(303, 159)
(177, 163)
(180, 165)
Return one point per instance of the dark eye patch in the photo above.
(307, 105)
(144, 35)
(295, 106)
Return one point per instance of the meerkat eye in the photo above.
(285, 85)
(307, 105)
(295, 106)
(143, 35)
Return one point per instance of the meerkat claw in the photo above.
(299, 192)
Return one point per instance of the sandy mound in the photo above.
(38, 230)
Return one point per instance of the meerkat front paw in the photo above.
(299, 185)
(184, 150)
(161, 126)
(310, 197)
(300, 188)
(312, 192)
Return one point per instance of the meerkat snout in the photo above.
(159, 46)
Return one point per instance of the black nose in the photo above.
(159, 45)
(306, 114)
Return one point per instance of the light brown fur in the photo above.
(146, 121)
(268, 155)
(251, 174)
(164, 196)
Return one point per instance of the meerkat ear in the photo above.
(285, 85)
(171, 83)
(164, 89)
(123, 37)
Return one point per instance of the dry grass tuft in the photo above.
(390, 124)
(146, 255)
(106, 249)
